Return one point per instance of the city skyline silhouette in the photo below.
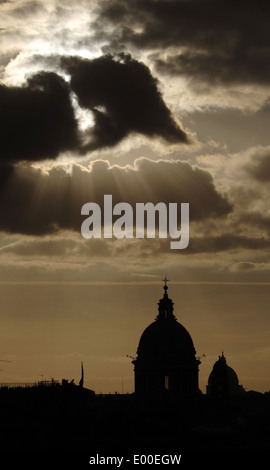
(161, 106)
(67, 415)
(113, 358)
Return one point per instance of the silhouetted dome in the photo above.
(219, 369)
(166, 336)
(166, 360)
(223, 375)
(233, 379)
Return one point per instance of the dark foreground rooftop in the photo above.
(70, 417)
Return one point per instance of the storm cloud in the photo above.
(124, 97)
(220, 42)
(36, 120)
(36, 203)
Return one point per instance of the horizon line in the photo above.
(133, 283)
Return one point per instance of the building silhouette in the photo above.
(223, 381)
(166, 358)
(160, 418)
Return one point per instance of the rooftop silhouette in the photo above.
(167, 411)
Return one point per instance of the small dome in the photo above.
(233, 379)
(223, 375)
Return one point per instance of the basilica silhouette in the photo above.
(166, 360)
(166, 357)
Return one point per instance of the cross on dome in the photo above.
(165, 280)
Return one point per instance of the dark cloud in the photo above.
(259, 169)
(222, 41)
(36, 120)
(35, 203)
(216, 69)
(124, 98)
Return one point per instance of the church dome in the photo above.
(232, 377)
(166, 336)
(223, 378)
(166, 361)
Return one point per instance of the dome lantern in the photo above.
(165, 305)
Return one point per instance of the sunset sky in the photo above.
(150, 101)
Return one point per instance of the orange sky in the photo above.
(157, 101)
(49, 328)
